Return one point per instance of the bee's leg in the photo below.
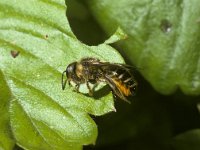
(95, 85)
(89, 88)
(69, 83)
(114, 95)
(77, 87)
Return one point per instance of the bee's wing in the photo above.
(115, 90)
(127, 67)
(112, 66)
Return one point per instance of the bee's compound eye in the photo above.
(70, 69)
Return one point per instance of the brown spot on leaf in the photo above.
(46, 36)
(14, 53)
(165, 26)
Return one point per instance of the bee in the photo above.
(92, 70)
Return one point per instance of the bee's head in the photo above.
(71, 71)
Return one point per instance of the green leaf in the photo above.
(119, 35)
(163, 39)
(36, 45)
(188, 140)
(6, 143)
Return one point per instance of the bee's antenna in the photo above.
(63, 81)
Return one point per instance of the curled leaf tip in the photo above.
(114, 109)
(94, 143)
(117, 36)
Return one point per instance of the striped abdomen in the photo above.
(125, 83)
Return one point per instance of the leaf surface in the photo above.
(36, 45)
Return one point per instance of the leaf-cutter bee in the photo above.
(92, 70)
